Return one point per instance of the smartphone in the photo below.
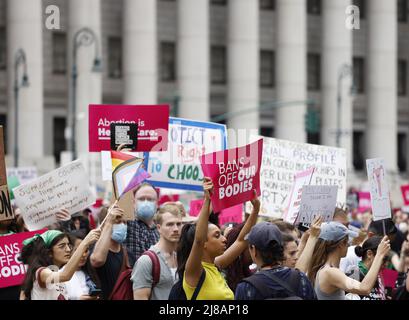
(303, 227)
(94, 292)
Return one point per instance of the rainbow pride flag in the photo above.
(119, 157)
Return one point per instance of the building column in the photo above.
(25, 31)
(140, 52)
(382, 83)
(291, 69)
(193, 59)
(243, 66)
(336, 53)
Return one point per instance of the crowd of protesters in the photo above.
(165, 255)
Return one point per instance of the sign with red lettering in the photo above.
(232, 214)
(152, 122)
(235, 174)
(405, 194)
(12, 271)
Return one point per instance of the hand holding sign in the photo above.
(208, 187)
(315, 228)
(255, 201)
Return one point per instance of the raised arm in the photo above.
(194, 262)
(100, 253)
(240, 244)
(49, 276)
(338, 279)
(304, 259)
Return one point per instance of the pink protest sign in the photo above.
(405, 194)
(12, 271)
(195, 207)
(364, 201)
(152, 121)
(232, 214)
(235, 174)
(389, 277)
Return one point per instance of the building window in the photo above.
(359, 74)
(267, 4)
(59, 52)
(3, 49)
(314, 71)
(3, 122)
(402, 76)
(402, 152)
(167, 61)
(402, 11)
(218, 64)
(358, 141)
(313, 138)
(361, 5)
(267, 71)
(115, 57)
(219, 2)
(266, 131)
(59, 124)
(314, 7)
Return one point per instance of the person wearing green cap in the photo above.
(46, 254)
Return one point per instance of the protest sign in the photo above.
(12, 182)
(235, 174)
(126, 134)
(232, 214)
(152, 122)
(6, 211)
(364, 201)
(282, 160)
(66, 187)
(12, 271)
(301, 179)
(195, 207)
(317, 201)
(405, 194)
(24, 174)
(381, 205)
(179, 167)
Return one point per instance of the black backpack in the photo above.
(177, 292)
(258, 281)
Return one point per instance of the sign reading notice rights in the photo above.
(66, 187)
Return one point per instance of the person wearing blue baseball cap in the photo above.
(329, 281)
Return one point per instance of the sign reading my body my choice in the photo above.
(179, 167)
(152, 121)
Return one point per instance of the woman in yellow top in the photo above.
(203, 247)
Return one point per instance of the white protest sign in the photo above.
(317, 201)
(282, 160)
(24, 174)
(381, 205)
(66, 187)
(301, 179)
(179, 167)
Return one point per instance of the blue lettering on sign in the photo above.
(185, 135)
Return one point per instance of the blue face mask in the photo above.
(145, 210)
(119, 232)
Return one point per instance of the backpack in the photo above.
(292, 288)
(123, 287)
(177, 292)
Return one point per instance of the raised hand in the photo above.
(208, 187)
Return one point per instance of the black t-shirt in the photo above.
(10, 293)
(108, 274)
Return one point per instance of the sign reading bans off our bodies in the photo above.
(179, 167)
(283, 159)
(64, 188)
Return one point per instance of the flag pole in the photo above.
(109, 212)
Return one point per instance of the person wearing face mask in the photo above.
(142, 232)
(108, 254)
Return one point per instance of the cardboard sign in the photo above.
(24, 174)
(405, 194)
(282, 160)
(6, 211)
(152, 122)
(124, 134)
(12, 271)
(301, 179)
(179, 167)
(233, 214)
(381, 205)
(66, 187)
(195, 207)
(317, 201)
(235, 174)
(364, 201)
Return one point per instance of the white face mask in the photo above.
(403, 227)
